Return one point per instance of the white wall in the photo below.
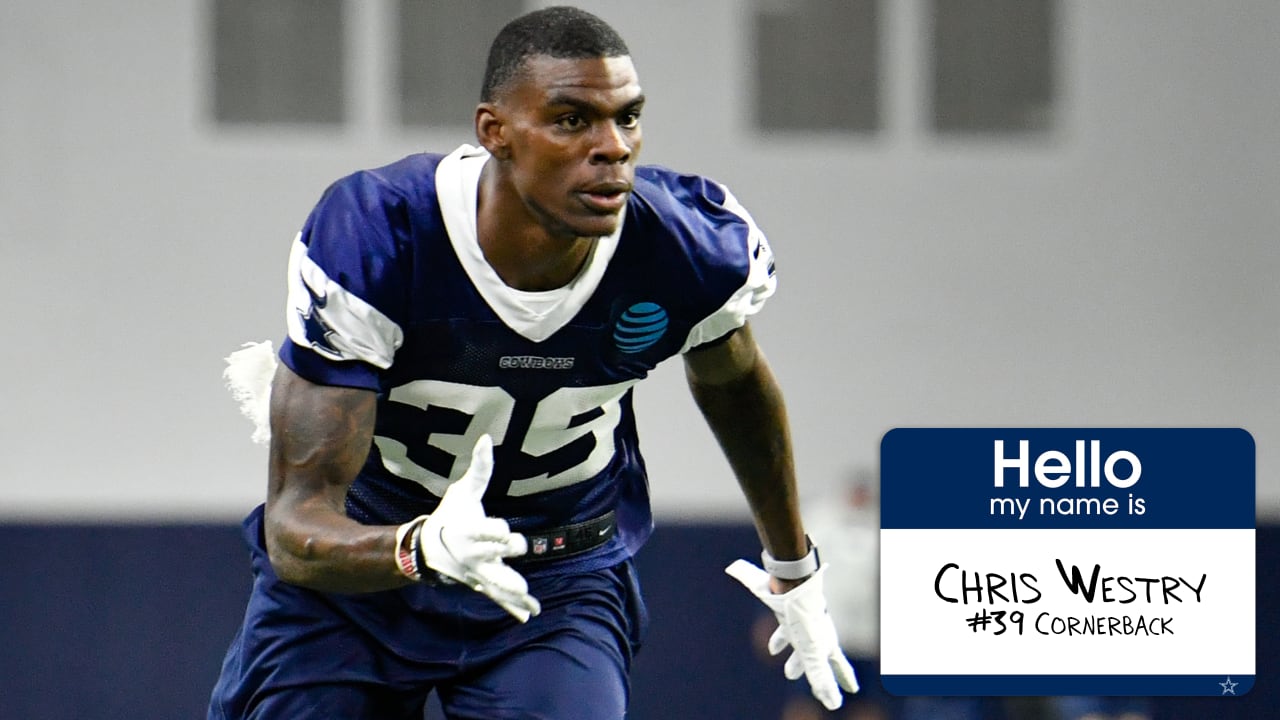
(1122, 273)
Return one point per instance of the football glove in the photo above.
(460, 543)
(805, 625)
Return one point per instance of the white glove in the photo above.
(460, 542)
(803, 623)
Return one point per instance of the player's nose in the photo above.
(610, 144)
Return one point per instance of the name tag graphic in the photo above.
(1067, 561)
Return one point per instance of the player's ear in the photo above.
(491, 131)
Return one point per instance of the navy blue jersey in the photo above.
(389, 291)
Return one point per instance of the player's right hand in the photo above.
(460, 542)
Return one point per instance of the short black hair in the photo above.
(558, 32)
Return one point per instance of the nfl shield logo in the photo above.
(539, 545)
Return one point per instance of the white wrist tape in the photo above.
(792, 569)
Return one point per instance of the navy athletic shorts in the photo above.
(302, 654)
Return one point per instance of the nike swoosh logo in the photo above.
(606, 529)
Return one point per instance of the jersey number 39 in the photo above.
(470, 411)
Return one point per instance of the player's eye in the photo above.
(571, 122)
(629, 120)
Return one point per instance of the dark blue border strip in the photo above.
(1126, 685)
(1189, 478)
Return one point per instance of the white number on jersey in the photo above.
(490, 410)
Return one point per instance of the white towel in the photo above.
(248, 376)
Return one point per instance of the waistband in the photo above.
(566, 541)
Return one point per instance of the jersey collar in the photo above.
(536, 316)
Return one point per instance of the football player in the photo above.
(455, 485)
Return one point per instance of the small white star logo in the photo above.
(1228, 687)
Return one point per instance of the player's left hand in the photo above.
(805, 625)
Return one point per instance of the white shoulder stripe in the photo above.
(337, 324)
(748, 299)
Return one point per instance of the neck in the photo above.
(516, 242)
